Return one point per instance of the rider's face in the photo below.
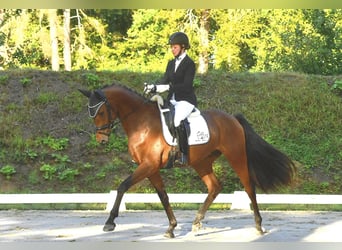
(176, 49)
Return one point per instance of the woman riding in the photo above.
(178, 80)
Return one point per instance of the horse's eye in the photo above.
(101, 114)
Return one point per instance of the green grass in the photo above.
(59, 206)
(45, 98)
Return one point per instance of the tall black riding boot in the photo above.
(182, 139)
(178, 155)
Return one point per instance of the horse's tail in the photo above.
(268, 167)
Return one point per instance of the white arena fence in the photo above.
(238, 199)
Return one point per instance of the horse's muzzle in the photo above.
(102, 138)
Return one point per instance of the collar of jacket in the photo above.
(181, 57)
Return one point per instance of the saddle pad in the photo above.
(198, 126)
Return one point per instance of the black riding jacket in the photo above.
(181, 81)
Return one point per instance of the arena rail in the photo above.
(238, 199)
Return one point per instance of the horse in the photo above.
(257, 163)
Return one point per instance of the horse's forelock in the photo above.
(95, 98)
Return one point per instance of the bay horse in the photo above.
(256, 162)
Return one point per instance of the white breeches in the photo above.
(182, 110)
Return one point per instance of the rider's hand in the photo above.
(150, 88)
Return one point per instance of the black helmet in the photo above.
(180, 38)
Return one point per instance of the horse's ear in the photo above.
(87, 93)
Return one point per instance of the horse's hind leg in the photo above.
(257, 217)
(157, 182)
(205, 171)
(238, 161)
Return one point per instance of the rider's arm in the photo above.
(163, 84)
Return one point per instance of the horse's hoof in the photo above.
(169, 235)
(261, 230)
(196, 227)
(109, 227)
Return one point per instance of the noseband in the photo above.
(94, 109)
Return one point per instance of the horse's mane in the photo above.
(128, 89)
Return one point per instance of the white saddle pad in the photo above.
(198, 126)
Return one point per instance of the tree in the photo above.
(146, 41)
(89, 37)
(21, 39)
(145, 46)
(52, 13)
(66, 47)
(117, 21)
(2, 14)
(234, 31)
(204, 28)
(299, 40)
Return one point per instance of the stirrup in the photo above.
(182, 161)
(171, 160)
(174, 161)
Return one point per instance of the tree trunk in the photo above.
(54, 39)
(204, 41)
(2, 14)
(66, 48)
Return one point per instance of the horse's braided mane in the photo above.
(127, 88)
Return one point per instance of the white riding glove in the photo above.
(149, 88)
(153, 88)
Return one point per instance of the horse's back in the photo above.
(217, 119)
(224, 128)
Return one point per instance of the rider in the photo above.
(178, 80)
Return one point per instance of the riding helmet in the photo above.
(180, 38)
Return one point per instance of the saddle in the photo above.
(169, 120)
(195, 125)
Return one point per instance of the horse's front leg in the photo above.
(157, 182)
(124, 186)
(143, 171)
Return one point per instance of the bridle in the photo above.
(94, 109)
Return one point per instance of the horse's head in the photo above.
(100, 110)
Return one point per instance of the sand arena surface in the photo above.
(149, 226)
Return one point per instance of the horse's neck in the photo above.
(134, 111)
(139, 119)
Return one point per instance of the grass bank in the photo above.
(47, 142)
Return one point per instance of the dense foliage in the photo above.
(297, 40)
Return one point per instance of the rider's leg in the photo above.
(182, 110)
(182, 139)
